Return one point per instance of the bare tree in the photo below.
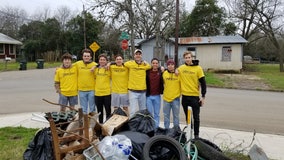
(259, 16)
(268, 16)
(42, 14)
(11, 20)
(63, 15)
(140, 18)
(115, 13)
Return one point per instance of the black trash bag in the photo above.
(174, 132)
(138, 141)
(40, 148)
(143, 122)
(119, 111)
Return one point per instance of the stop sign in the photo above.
(124, 44)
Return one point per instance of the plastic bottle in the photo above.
(107, 147)
(117, 147)
(123, 147)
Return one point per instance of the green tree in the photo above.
(41, 38)
(206, 19)
(31, 34)
(51, 34)
(75, 33)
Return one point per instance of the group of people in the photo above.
(133, 85)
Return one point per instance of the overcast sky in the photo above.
(32, 6)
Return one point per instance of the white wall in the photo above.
(209, 55)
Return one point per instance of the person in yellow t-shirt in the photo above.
(192, 77)
(86, 82)
(66, 83)
(137, 82)
(103, 89)
(119, 84)
(171, 95)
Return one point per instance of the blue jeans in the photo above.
(175, 107)
(137, 101)
(153, 104)
(87, 100)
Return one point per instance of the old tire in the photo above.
(163, 147)
(207, 151)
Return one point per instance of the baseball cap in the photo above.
(138, 50)
(171, 61)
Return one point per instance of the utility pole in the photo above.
(176, 32)
(84, 12)
(157, 50)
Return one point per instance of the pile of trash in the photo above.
(119, 138)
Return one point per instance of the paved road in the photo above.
(23, 91)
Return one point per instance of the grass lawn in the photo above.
(14, 66)
(14, 141)
(269, 72)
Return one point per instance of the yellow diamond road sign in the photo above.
(94, 46)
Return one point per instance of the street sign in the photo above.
(124, 44)
(123, 36)
(94, 47)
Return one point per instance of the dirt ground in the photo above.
(244, 81)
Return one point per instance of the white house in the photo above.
(216, 52)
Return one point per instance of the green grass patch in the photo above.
(14, 66)
(213, 80)
(236, 156)
(269, 72)
(14, 141)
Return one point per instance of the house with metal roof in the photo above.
(8, 47)
(213, 53)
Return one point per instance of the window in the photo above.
(226, 53)
(1, 48)
(11, 49)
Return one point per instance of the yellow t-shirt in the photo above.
(102, 82)
(189, 77)
(119, 79)
(137, 75)
(86, 78)
(67, 78)
(171, 86)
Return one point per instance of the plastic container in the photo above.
(91, 154)
(117, 147)
(124, 148)
(107, 147)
